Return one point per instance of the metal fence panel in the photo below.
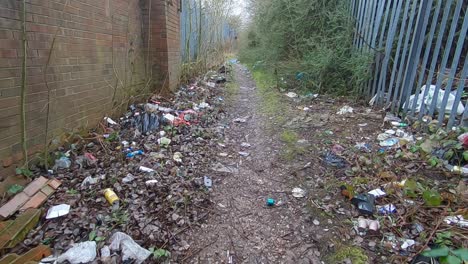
(399, 32)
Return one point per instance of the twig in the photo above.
(441, 220)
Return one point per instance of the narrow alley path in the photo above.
(242, 228)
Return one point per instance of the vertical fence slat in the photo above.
(453, 69)
(364, 25)
(375, 31)
(371, 23)
(388, 48)
(359, 23)
(398, 49)
(436, 52)
(415, 51)
(378, 55)
(409, 42)
(445, 58)
(461, 87)
(426, 55)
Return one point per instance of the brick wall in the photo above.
(100, 61)
(164, 43)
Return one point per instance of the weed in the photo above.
(355, 254)
(24, 171)
(15, 188)
(159, 253)
(72, 191)
(119, 217)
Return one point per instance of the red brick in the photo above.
(13, 205)
(47, 190)
(35, 186)
(35, 202)
(35, 254)
(54, 183)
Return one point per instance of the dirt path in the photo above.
(242, 228)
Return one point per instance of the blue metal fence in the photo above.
(421, 62)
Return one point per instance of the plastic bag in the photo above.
(80, 253)
(130, 249)
(440, 97)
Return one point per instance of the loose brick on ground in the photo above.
(35, 186)
(13, 205)
(35, 254)
(35, 202)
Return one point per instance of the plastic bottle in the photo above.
(398, 124)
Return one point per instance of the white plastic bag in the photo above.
(130, 249)
(83, 252)
(440, 97)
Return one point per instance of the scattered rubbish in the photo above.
(62, 163)
(164, 141)
(57, 211)
(365, 203)
(407, 244)
(151, 183)
(223, 154)
(337, 149)
(105, 254)
(203, 105)
(387, 209)
(207, 181)
(244, 154)
(364, 224)
(333, 160)
(83, 252)
(389, 142)
(270, 202)
(111, 196)
(169, 117)
(457, 169)
(245, 145)
(298, 193)
(151, 108)
(218, 167)
(456, 220)
(240, 120)
(345, 110)
(399, 124)
(110, 121)
(145, 169)
(377, 193)
(384, 136)
(128, 179)
(362, 125)
(177, 157)
(135, 153)
(430, 97)
(291, 95)
(130, 249)
(316, 222)
(389, 117)
(362, 146)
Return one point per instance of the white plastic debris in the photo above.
(105, 254)
(244, 154)
(128, 179)
(151, 108)
(240, 120)
(169, 117)
(345, 110)
(145, 169)
(389, 142)
(130, 249)
(377, 193)
(245, 145)
(407, 244)
(457, 220)
(151, 183)
(203, 105)
(291, 95)
(164, 141)
(83, 252)
(89, 181)
(57, 211)
(110, 121)
(211, 84)
(429, 98)
(208, 182)
(218, 167)
(178, 157)
(298, 193)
